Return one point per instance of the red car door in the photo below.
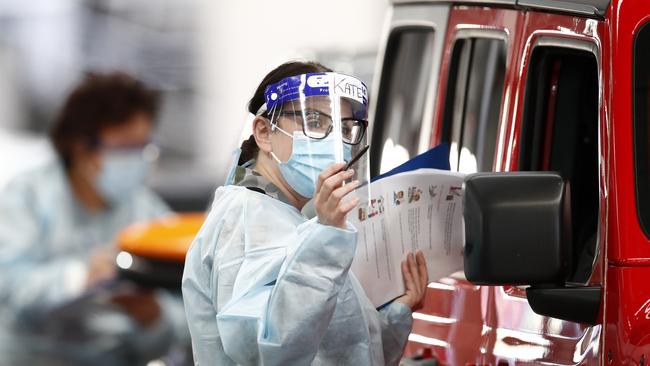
(497, 116)
(473, 106)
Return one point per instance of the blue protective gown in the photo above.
(265, 286)
(46, 238)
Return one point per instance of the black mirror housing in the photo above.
(515, 229)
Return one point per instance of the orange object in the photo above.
(168, 238)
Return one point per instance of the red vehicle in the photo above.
(558, 262)
(560, 275)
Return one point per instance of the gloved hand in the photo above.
(329, 192)
(101, 266)
(416, 279)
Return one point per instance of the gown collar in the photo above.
(245, 176)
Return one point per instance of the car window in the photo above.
(473, 102)
(641, 120)
(401, 102)
(560, 133)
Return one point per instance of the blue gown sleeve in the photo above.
(28, 281)
(282, 323)
(200, 282)
(396, 322)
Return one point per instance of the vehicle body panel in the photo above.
(496, 324)
(627, 292)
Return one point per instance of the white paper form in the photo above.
(417, 210)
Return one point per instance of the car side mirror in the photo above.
(518, 232)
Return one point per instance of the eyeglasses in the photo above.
(318, 125)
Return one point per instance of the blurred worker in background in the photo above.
(59, 302)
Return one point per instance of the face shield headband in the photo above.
(330, 84)
(326, 116)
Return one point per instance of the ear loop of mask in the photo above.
(274, 122)
(274, 126)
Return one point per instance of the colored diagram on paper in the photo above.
(371, 209)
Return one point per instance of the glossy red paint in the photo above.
(545, 340)
(540, 27)
(453, 323)
(464, 324)
(463, 18)
(629, 244)
(496, 325)
(627, 328)
(627, 296)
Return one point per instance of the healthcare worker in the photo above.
(57, 304)
(264, 285)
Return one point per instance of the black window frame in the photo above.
(462, 62)
(640, 114)
(531, 149)
(388, 68)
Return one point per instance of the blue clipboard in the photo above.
(435, 158)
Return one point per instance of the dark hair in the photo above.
(249, 148)
(100, 101)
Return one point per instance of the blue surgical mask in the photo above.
(309, 157)
(122, 173)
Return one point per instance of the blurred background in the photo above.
(205, 57)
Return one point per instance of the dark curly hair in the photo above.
(100, 101)
(249, 147)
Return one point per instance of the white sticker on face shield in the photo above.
(349, 87)
(318, 81)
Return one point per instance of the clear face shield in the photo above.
(326, 116)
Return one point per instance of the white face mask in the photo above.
(122, 173)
